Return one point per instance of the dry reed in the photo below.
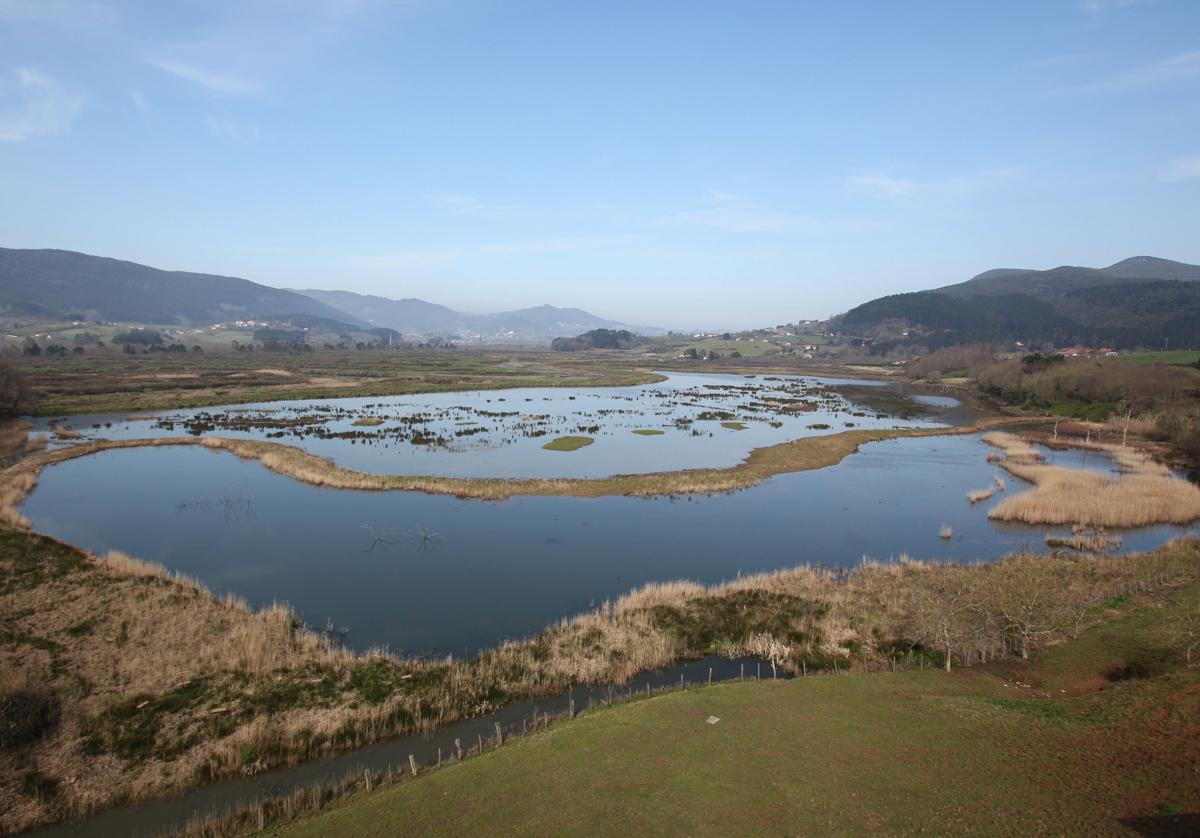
(1144, 493)
(154, 633)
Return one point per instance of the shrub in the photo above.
(26, 716)
(13, 392)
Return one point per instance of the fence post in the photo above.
(499, 735)
(458, 747)
(710, 676)
(412, 763)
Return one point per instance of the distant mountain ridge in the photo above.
(63, 282)
(1143, 301)
(539, 324)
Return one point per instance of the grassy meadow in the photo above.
(1093, 737)
(112, 382)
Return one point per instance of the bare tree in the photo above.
(945, 610)
(767, 646)
(1027, 601)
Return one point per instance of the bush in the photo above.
(142, 337)
(26, 716)
(13, 392)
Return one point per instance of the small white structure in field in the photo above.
(712, 720)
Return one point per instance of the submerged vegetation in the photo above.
(568, 443)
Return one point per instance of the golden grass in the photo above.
(1144, 493)
(977, 495)
(151, 633)
(13, 437)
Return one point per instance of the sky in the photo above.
(685, 164)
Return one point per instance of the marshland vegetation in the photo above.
(568, 443)
(1144, 492)
(157, 685)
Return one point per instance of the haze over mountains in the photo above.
(67, 285)
(413, 316)
(1139, 302)
(48, 283)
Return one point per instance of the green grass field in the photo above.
(1052, 746)
(1175, 356)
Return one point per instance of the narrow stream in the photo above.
(158, 817)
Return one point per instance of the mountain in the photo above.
(1138, 302)
(1151, 267)
(62, 282)
(540, 324)
(409, 315)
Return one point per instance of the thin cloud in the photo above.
(230, 131)
(885, 186)
(890, 187)
(1108, 5)
(1178, 68)
(211, 80)
(734, 213)
(33, 104)
(1182, 168)
(460, 204)
(408, 259)
(65, 14)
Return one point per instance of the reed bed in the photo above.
(183, 686)
(1144, 493)
(13, 437)
(978, 495)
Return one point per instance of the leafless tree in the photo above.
(1027, 601)
(769, 647)
(946, 610)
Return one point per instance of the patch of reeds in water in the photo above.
(1144, 493)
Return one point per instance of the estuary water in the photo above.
(423, 573)
(686, 421)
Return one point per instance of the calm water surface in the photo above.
(501, 433)
(418, 573)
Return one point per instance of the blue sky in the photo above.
(711, 164)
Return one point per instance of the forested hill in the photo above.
(1123, 306)
(63, 283)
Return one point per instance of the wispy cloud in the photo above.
(734, 213)
(32, 104)
(1177, 68)
(885, 186)
(1107, 5)
(228, 130)
(460, 204)
(405, 260)
(1181, 168)
(890, 187)
(67, 14)
(214, 81)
